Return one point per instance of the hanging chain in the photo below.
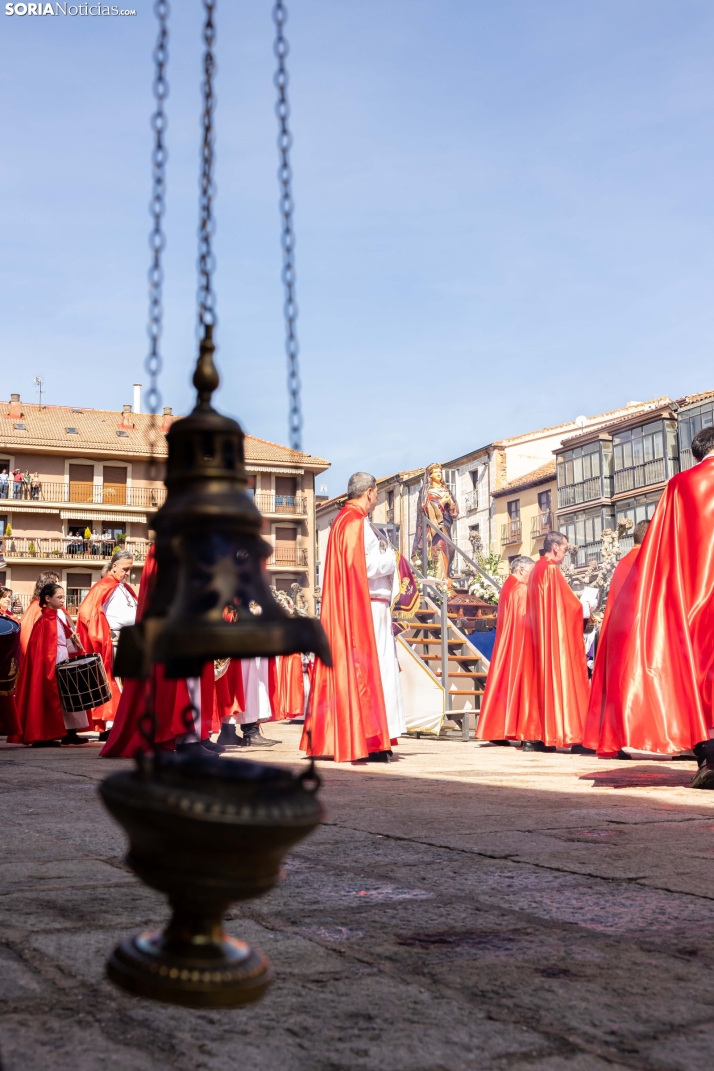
(157, 206)
(290, 309)
(206, 263)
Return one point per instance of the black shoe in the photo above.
(208, 745)
(184, 749)
(104, 735)
(580, 749)
(73, 739)
(623, 755)
(704, 777)
(47, 743)
(379, 756)
(228, 736)
(499, 743)
(253, 736)
(536, 745)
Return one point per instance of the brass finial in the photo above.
(206, 378)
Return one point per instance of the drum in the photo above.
(82, 683)
(9, 654)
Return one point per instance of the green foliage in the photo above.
(492, 564)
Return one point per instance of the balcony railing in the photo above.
(95, 494)
(540, 524)
(588, 553)
(69, 548)
(289, 556)
(284, 504)
(650, 472)
(626, 544)
(575, 493)
(510, 533)
(685, 458)
(471, 501)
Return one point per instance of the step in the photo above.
(452, 658)
(465, 691)
(419, 640)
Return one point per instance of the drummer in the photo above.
(9, 659)
(109, 606)
(32, 614)
(42, 719)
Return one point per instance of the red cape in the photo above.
(230, 697)
(27, 622)
(554, 690)
(96, 638)
(289, 701)
(499, 711)
(597, 692)
(38, 701)
(659, 670)
(347, 718)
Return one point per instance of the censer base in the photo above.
(234, 974)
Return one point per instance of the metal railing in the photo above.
(69, 548)
(574, 493)
(640, 475)
(287, 555)
(626, 544)
(96, 494)
(471, 500)
(541, 524)
(685, 458)
(285, 504)
(511, 533)
(588, 553)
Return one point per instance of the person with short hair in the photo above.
(554, 687)
(355, 708)
(497, 720)
(659, 672)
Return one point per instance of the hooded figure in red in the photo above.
(659, 671)
(347, 717)
(498, 716)
(94, 631)
(554, 688)
(597, 694)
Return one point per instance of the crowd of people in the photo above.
(230, 695)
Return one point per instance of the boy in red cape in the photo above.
(554, 689)
(499, 713)
(95, 632)
(591, 738)
(347, 717)
(659, 672)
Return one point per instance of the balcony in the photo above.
(626, 544)
(587, 554)
(94, 494)
(471, 501)
(685, 458)
(280, 505)
(68, 549)
(575, 493)
(510, 533)
(288, 557)
(651, 472)
(541, 524)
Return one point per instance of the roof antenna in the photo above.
(40, 383)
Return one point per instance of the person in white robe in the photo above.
(383, 580)
(256, 689)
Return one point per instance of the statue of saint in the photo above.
(436, 502)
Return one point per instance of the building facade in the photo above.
(77, 483)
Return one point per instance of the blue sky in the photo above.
(503, 214)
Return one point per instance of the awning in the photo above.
(17, 507)
(87, 515)
(281, 470)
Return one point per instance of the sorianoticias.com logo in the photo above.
(66, 9)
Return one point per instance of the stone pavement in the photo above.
(463, 908)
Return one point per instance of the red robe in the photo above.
(38, 700)
(27, 622)
(170, 697)
(230, 698)
(597, 693)
(499, 710)
(96, 638)
(290, 698)
(554, 689)
(9, 721)
(347, 718)
(659, 671)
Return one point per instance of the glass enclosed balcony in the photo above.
(584, 474)
(645, 456)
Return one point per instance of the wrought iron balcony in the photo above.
(651, 472)
(289, 556)
(575, 493)
(587, 554)
(292, 505)
(511, 533)
(685, 458)
(541, 523)
(95, 494)
(69, 549)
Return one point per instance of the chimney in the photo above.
(167, 419)
(126, 421)
(137, 397)
(15, 408)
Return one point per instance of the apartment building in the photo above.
(76, 483)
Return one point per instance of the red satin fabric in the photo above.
(347, 718)
(230, 696)
(38, 701)
(554, 690)
(27, 622)
(96, 638)
(498, 718)
(659, 671)
(591, 737)
(290, 689)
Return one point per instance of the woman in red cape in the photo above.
(347, 718)
(96, 637)
(591, 737)
(499, 713)
(170, 697)
(659, 672)
(9, 663)
(554, 690)
(32, 614)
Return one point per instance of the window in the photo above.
(71, 431)
(285, 583)
(115, 485)
(544, 501)
(78, 585)
(286, 535)
(81, 483)
(638, 446)
(123, 434)
(250, 489)
(514, 509)
(286, 485)
(690, 422)
(112, 529)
